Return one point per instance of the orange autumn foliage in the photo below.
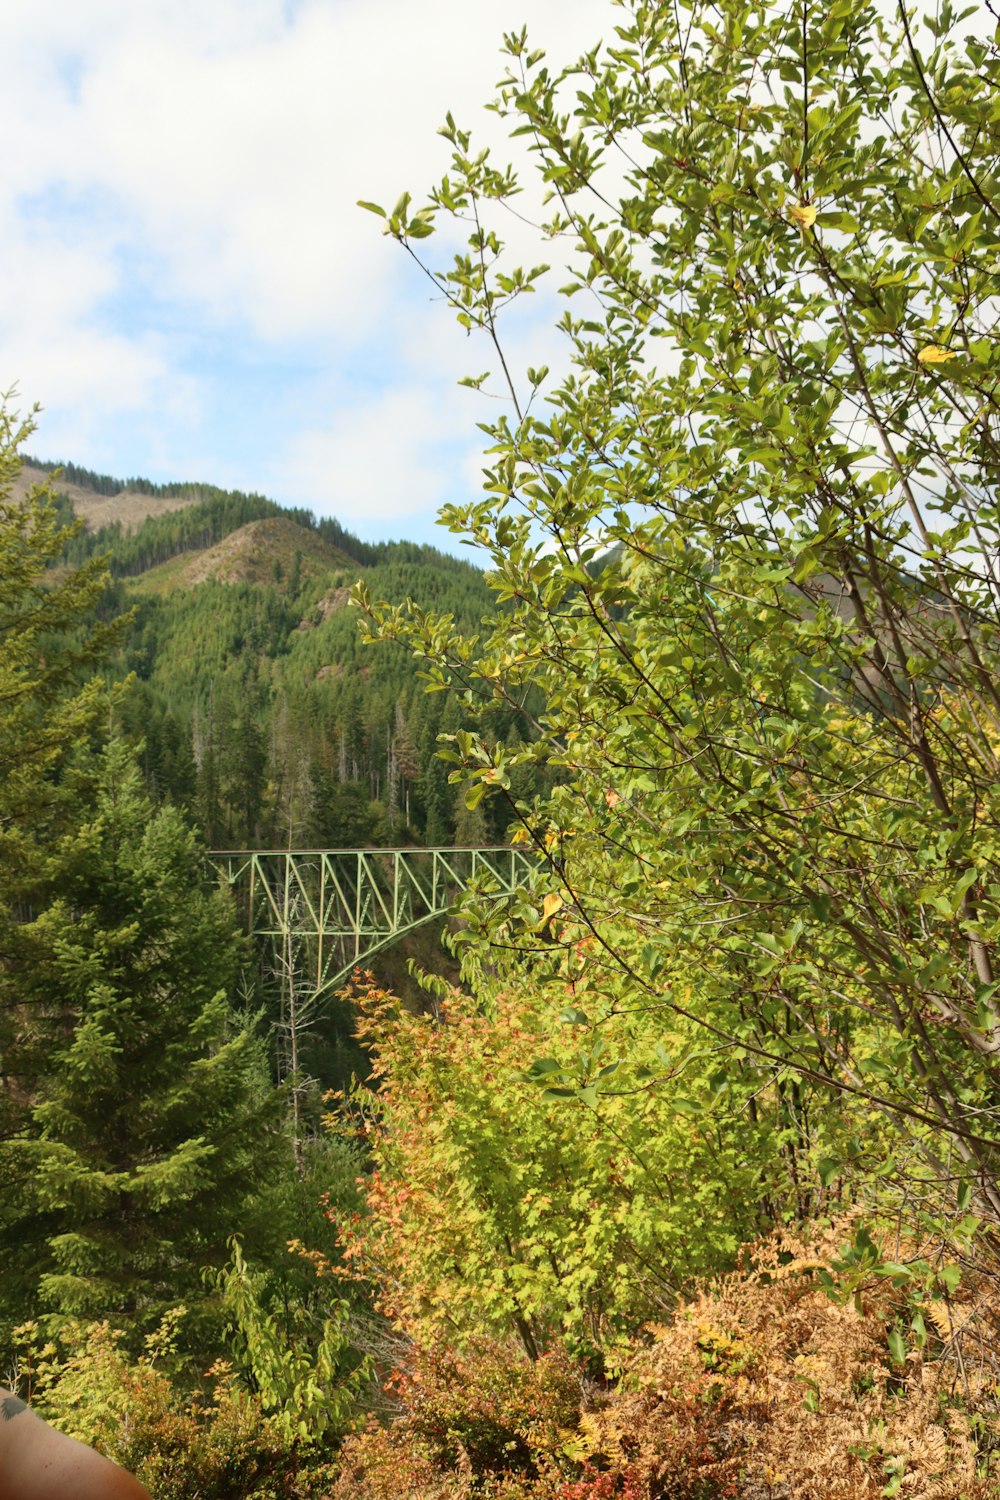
(762, 1387)
(789, 1393)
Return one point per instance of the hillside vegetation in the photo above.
(684, 1182)
(258, 709)
(100, 501)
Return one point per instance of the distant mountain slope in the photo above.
(258, 706)
(139, 525)
(264, 552)
(262, 710)
(127, 508)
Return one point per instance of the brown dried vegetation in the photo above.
(763, 1387)
(786, 1392)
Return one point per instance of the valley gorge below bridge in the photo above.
(322, 913)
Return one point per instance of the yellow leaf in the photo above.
(550, 906)
(804, 214)
(933, 354)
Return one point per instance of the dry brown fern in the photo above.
(766, 1388)
(762, 1387)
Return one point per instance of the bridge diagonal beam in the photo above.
(345, 905)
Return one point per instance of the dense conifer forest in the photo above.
(680, 1178)
(259, 710)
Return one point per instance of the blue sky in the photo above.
(189, 290)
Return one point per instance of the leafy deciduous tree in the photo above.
(749, 547)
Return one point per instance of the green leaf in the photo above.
(542, 1068)
(919, 1329)
(828, 1168)
(474, 794)
(894, 1270)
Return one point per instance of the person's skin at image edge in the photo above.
(38, 1463)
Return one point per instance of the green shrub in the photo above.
(212, 1444)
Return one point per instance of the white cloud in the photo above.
(381, 461)
(238, 153)
(174, 168)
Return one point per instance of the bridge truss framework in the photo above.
(339, 907)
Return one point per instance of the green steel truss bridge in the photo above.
(336, 908)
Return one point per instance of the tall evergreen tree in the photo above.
(49, 643)
(155, 1120)
(435, 794)
(46, 651)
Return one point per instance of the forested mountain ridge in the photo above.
(260, 552)
(100, 501)
(259, 708)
